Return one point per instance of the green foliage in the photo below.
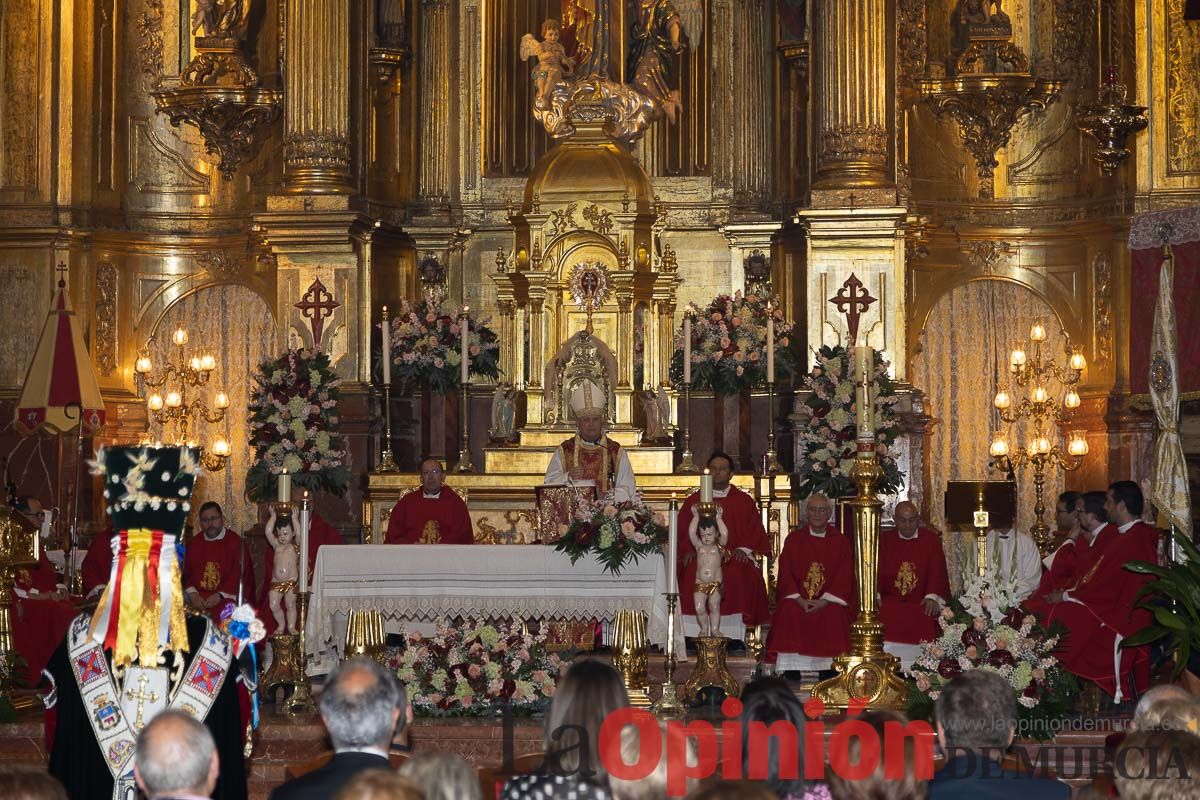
(1179, 622)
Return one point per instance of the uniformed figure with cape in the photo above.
(138, 653)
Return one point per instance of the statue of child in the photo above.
(281, 534)
(553, 62)
(709, 538)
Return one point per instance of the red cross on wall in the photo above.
(316, 306)
(852, 302)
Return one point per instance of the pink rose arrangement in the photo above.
(615, 532)
(427, 347)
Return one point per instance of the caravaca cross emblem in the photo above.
(853, 300)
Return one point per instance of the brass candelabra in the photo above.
(668, 704)
(1042, 413)
(181, 414)
(386, 461)
(771, 463)
(687, 461)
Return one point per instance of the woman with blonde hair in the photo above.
(443, 776)
(654, 785)
(587, 693)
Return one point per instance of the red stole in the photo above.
(598, 461)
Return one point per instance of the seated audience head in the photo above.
(433, 476)
(380, 784)
(654, 785)
(720, 466)
(1150, 765)
(976, 711)
(734, 790)
(816, 512)
(908, 519)
(882, 784)
(443, 776)
(1065, 516)
(1125, 502)
(1094, 513)
(175, 755)
(212, 518)
(361, 706)
(1166, 707)
(23, 782)
(767, 701)
(586, 694)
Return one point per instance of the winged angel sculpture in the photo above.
(573, 63)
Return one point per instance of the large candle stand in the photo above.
(669, 705)
(687, 463)
(771, 465)
(464, 452)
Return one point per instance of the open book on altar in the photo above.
(556, 507)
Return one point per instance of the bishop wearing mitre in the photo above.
(589, 458)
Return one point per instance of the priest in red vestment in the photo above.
(1058, 568)
(433, 514)
(320, 533)
(41, 613)
(97, 564)
(216, 563)
(913, 583)
(745, 594)
(816, 599)
(1101, 610)
(589, 458)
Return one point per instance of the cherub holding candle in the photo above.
(709, 536)
(281, 533)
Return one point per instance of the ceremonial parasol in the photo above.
(60, 389)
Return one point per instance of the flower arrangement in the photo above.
(293, 425)
(729, 344)
(475, 668)
(827, 433)
(427, 347)
(1014, 645)
(615, 532)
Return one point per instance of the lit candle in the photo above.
(999, 446)
(706, 487)
(305, 517)
(465, 329)
(1002, 401)
(220, 447)
(222, 400)
(673, 548)
(1071, 400)
(143, 365)
(1078, 362)
(180, 337)
(1038, 332)
(864, 381)
(174, 400)
(386, 358)
(687, 348)
(1018, 358)
(283, 489)
(770, 344)
(155, 402)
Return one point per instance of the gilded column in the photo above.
(852, 94)
(753, 67)
(436, 72)
(316, 148)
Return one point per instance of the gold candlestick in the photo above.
(687, 463)
(301, 702)
(668, 705)
(464, 452)
(771, 463)
(866, 672)
(386, 462)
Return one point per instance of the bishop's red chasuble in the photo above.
(210, 567)
(598, 462)
(910, 570)
(1102, 607)
(811, 567)
(744, 591)
(418, 519)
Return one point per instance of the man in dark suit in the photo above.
(176, 758)
(976, 722)
(361, 706)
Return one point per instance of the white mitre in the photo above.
(588, 398)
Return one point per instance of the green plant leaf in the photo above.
(1151, 633)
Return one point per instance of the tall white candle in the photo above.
(305, 514)
(387, 348)
(283, 489)
(673, 548)
(864, 381)
(687, 348)
(770, 344)
(465, 328)
(706, 487)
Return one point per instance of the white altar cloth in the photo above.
(430, 582)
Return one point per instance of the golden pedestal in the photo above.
(866, 673)
(630, 653)
(710, 669)
(285, 664)
(365, 635)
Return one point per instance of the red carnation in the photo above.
(949, 668)
(1000, 658)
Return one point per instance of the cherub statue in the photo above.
(553, 61)
(709, 537)
(281, 533)
(504, 412)
(658, 414)
(206, 16)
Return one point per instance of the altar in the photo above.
(428, 583)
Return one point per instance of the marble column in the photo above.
(316, 147)
(851, 94)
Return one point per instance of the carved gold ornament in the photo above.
(1111, 121)
(1160, 372)
(589, 285)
